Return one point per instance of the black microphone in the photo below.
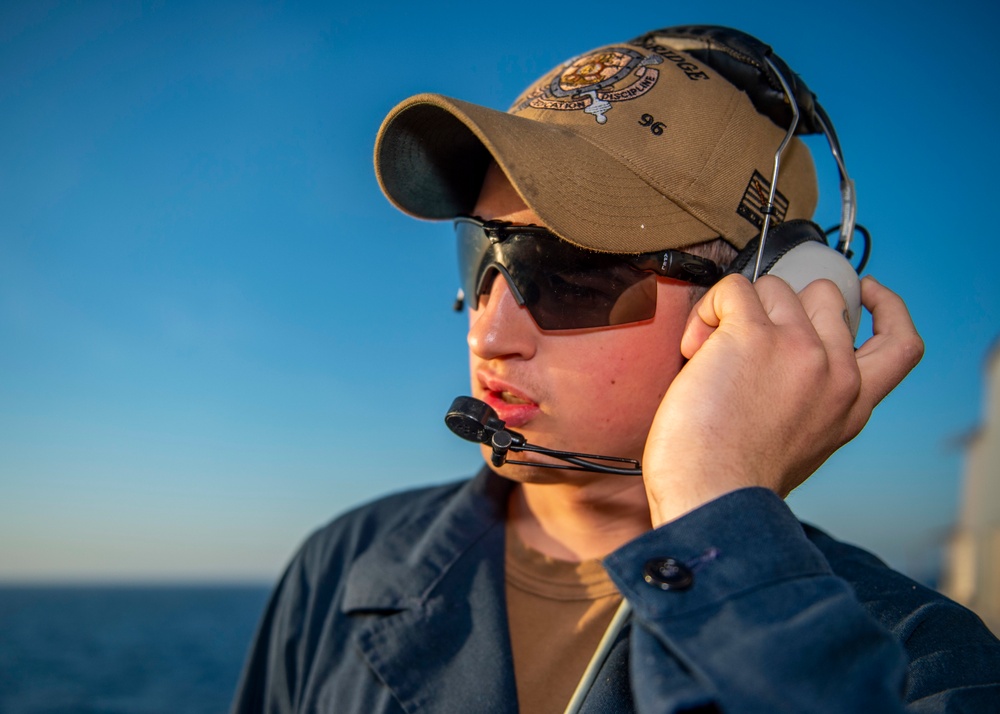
(475, 420)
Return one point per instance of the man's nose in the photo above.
(500, 327)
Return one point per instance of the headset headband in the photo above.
(775, 91)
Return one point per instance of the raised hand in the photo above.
(772, 388)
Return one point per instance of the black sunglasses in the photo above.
(565, 287)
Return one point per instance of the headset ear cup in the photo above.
(797, 252)
(812, 261)
(781, 238)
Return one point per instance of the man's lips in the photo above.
(511, 405)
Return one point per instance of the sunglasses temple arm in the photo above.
(678, 265)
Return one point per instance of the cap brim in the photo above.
(432, 152)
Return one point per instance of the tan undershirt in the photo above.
(557, 613)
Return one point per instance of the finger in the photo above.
(782, 305)
(826, 309)
(895, 346)
(734, 300)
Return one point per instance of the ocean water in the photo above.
(124, 650)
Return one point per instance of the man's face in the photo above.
(588, 390)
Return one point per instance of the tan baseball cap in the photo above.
(628, 148)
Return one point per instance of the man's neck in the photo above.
(579, 522)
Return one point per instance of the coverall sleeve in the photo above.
(751, 616)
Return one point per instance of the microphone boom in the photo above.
(475, 420)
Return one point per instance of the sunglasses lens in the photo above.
(562, 286)
(593, 297)
(474, 247)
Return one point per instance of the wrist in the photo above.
(669, 501)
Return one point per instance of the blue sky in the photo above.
(216, 334)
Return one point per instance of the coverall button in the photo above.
(667, 574)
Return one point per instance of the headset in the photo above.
(795, 250)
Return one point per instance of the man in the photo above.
(493, 594)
